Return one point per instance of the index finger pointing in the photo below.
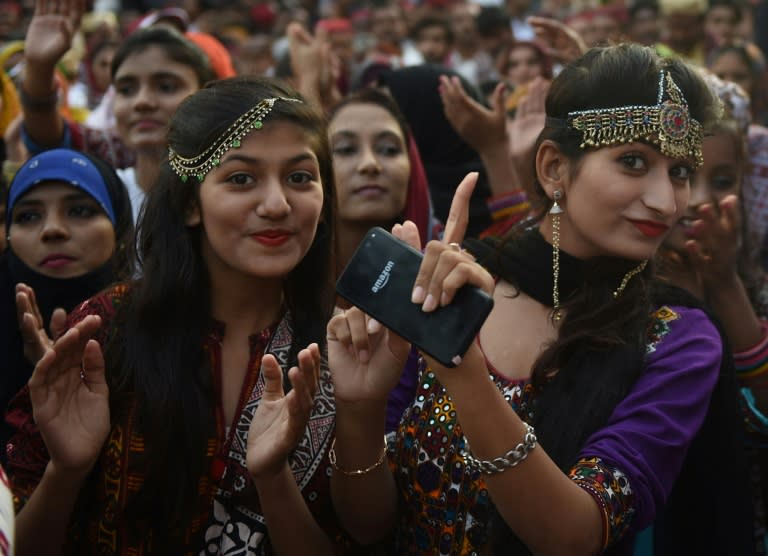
(458, 217)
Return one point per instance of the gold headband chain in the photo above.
(198, 166)
(667, 124)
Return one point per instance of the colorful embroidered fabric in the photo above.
(659, 327)
(228, 519)
(611, 490)
(446, 506)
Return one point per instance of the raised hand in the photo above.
(446, 267)
(33, 332)
(70, 398)
(315, 67)
(526, 125)
(523, 130)
(481, 127)
(280, 420)
(52, 30)
(714, 250)
(561, 43)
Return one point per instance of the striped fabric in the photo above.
(507, 209)
(753, 362)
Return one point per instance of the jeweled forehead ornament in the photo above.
(667, 124)
(198, 166)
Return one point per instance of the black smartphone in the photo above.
(379, 279)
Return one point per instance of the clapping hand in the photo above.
(524, 129)
(315, 67)
(70, 398)
(561, 43)
(481, 127)
(33, 332)
(714, 249)
(280, 419)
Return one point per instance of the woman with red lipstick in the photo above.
(198, 411)
(563, 429)
(70, 235)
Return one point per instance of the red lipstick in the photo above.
(272, 238)
(649, 228)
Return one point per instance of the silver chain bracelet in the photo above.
(508, 460)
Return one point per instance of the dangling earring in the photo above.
(555, 212)
(628, 276)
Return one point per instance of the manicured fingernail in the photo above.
(362, 355)
(456, 360)
(443, 299)
(430, 304)
(373, 326)
(417, 296)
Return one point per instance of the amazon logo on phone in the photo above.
(383, 278)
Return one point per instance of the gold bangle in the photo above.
(355, 472)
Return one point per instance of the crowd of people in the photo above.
(183, 184)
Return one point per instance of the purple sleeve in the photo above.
(402, 395)
(648, 435)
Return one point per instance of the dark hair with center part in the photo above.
(160, 357)
(172, 43)
(600, 349)
(377, 97)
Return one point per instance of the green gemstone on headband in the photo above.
(210, 158)
(184, 178)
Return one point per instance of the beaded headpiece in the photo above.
(667, 124)
(198, 166)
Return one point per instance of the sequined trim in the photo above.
(446, 505)
(659, 327)
(611, 490)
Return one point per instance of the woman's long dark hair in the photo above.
(600, 349)
(158, 357)
(593, 317)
